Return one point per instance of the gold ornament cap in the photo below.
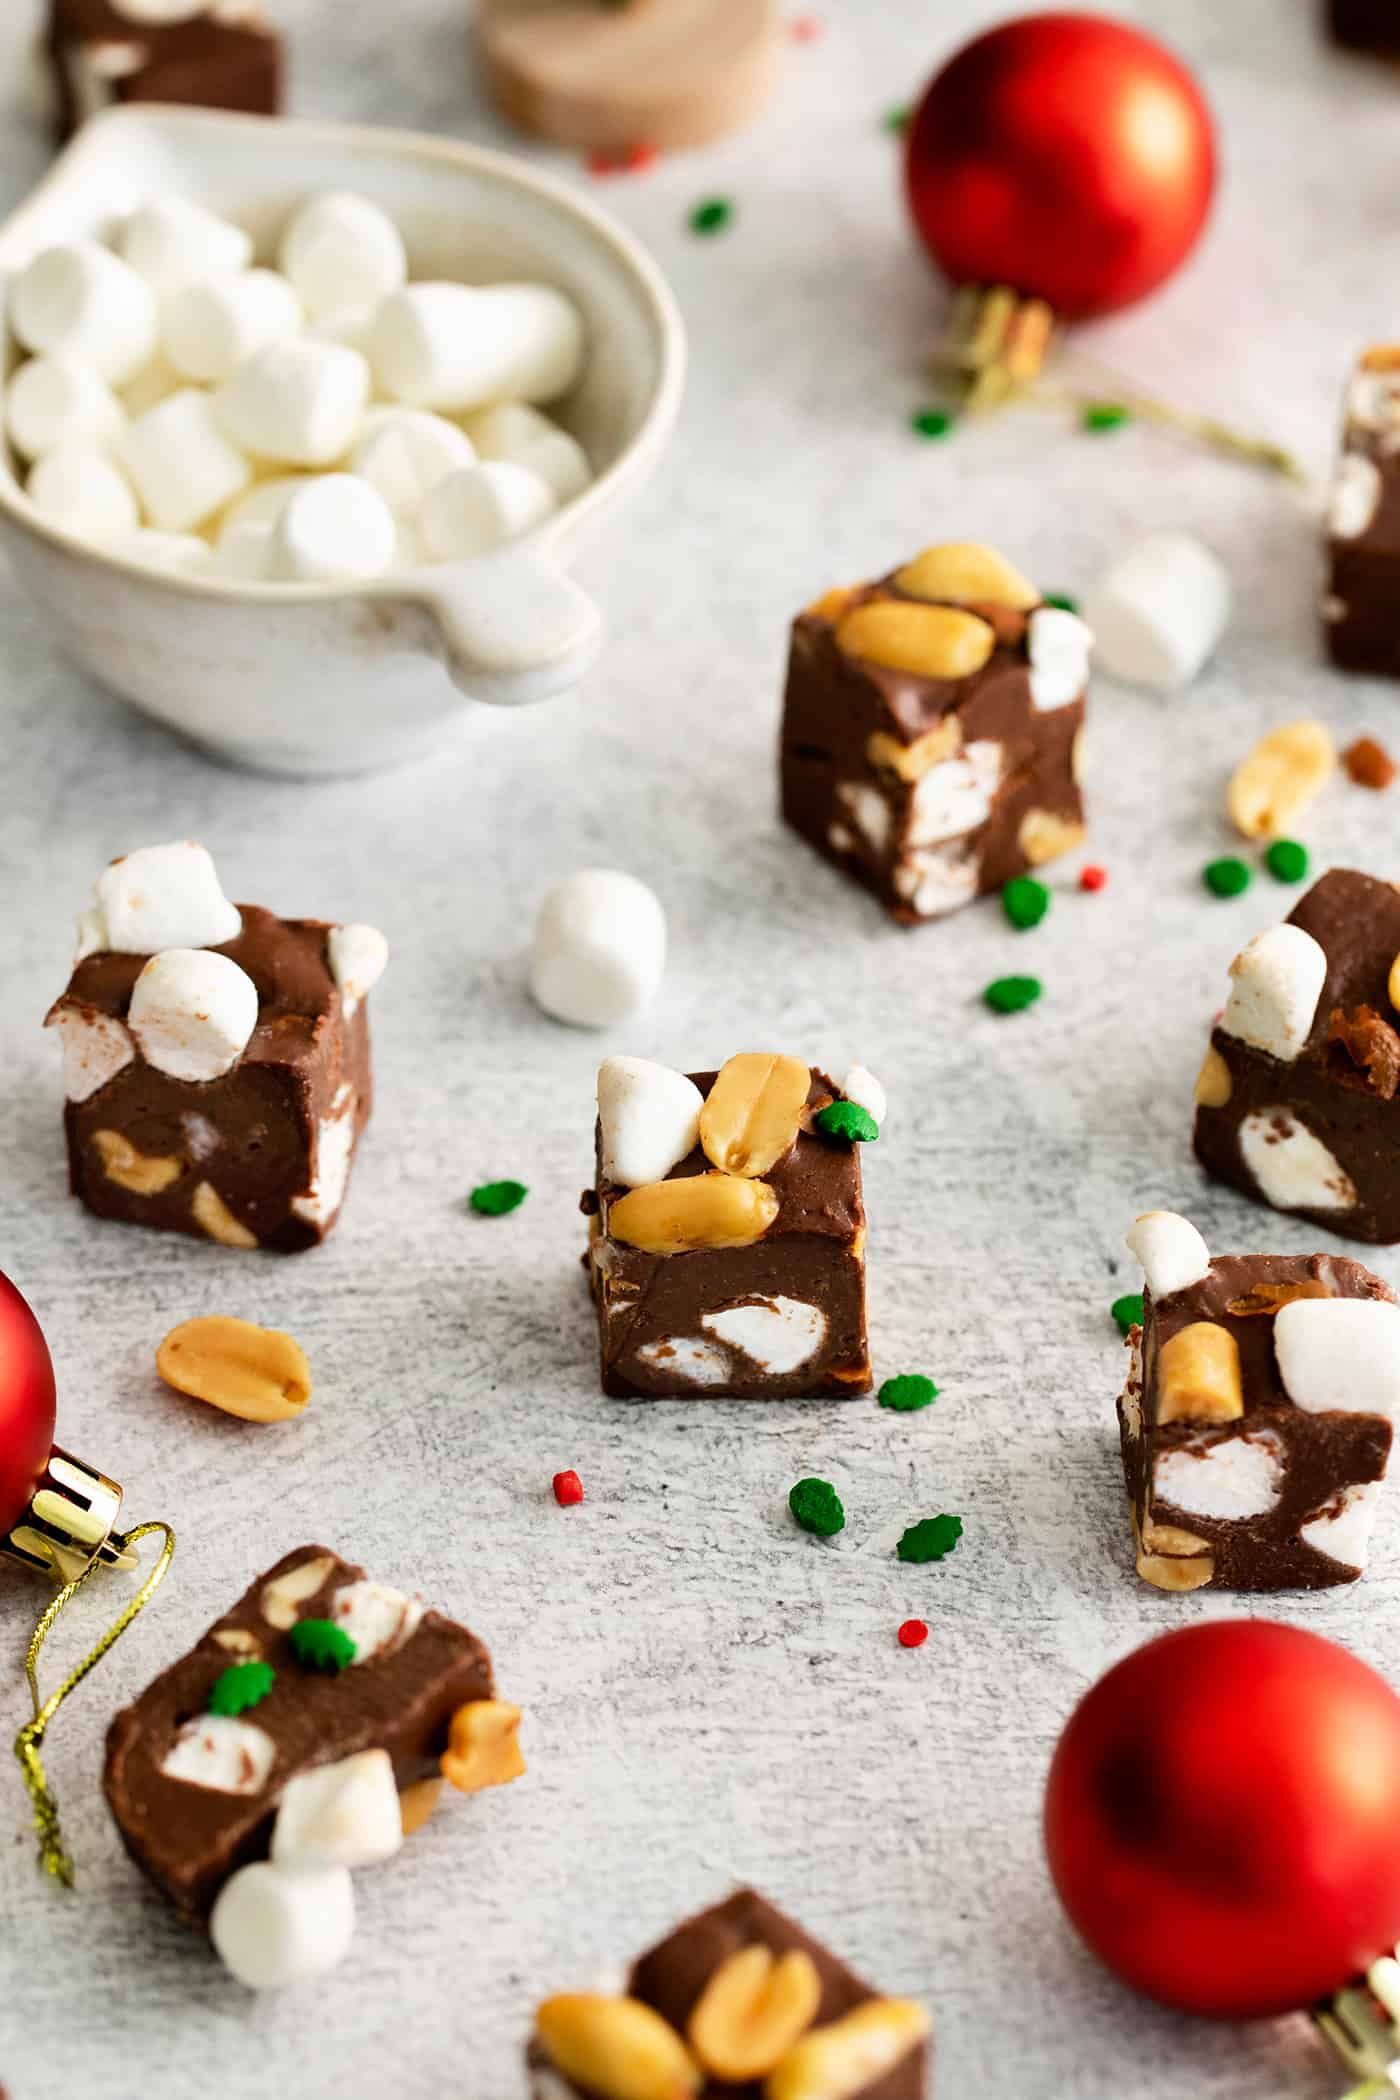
(70, 1523)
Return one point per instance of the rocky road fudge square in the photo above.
(220, 54)
(931, 729)
(738, 2003)
(1361, 597)
(216, 1057)
(1257, 1417)
(1296, 1100)
(727, 1229)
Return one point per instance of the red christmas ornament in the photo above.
(1065, 156)
(1222, 1818)
(27, 1405)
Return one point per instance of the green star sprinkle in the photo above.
(931, 422)
(897, 119)
(1227, 877)
(242, 1685)
(1105, 415)
(712, 216)
(495, 1199)
(1025, 902)
(906, 1395)
(933, 1539)
(1012, 995)
(319, 1644)
(1127, 1311)
(847, 1119)
(1062, 601)
(817, 1507)
(1287, 861)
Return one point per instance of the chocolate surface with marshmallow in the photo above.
(1361, 595)
(104, 51)
(195, 1795)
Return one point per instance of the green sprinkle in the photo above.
(494, 1199)
(1127, 1311)
(1025, 901)
(908, 1394)
(931, 422)
(242, 1685)
(319, 1644)
(897, 119)
(1287, 861)
(1227, 877)
(847, 1119)
(711, 216)
(1062, 600)
(817, 1507)
(1012, 995)
(1105, 415)
(934, 1538)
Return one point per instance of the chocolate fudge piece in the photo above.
(1296, 1100)
(1361, 597)
(1365, 25)
(224, 55)
(258, 1153)
(1256, 1420)
(723, 1274)
(931, 730)
(195, 1793)
(674, 1977)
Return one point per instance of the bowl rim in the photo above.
(370, 141)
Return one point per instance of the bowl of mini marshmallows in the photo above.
(303, 425)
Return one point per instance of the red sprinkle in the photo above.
(1092, 878)
(806, 29)
(913, 1633)
(634, 161)
(568, 1489)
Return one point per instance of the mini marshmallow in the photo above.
(209, 329)
(154, 383)
(78, 488)
(1277, 980)
(599, 948)
(649, 1117)
(953, 797)
(83, 301)
(342, 250)
(174, 553)
(1171, 1251)
(298, 401)
(1340, 1353)
(1293, 1168)
(477, 509)
(778, 1334)
(351, 325)
(173, 243)
(377, 1617)
(1227, 1478)
(183, 466)
(1159, 612)
(192, 1011)
(58, 400)
(272, 1927)
(244, 552)
(96, 1046)
(264, 502)
(358, 956)
(1355, 497)
(460, 346)
(406, 454)
(341, 1815)
(1058, 644)
(333, 530)
(862, 1087)
(515, 432)
(164, 11)
(222, 1753)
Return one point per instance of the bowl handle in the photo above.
(514, 628)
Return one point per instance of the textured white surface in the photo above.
(710, 1693)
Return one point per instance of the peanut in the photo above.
(616, 2048)
(964, 571)
(839, 2061)
(281, 1600)
(238, 1642)
(911, 761)
(482, 1747)
(927, 641)
(1279, 778)
(1266, 1299)
(1381, 357)
(1044, 836)
(1198, 1375)
(1172, 1559)
(752, 2011)
(751, 1118)
(253, 1372)
(833, 603)
(142, 1173)
(1393, 984)
(208, 1209)
(416, 1804)
(700, 1210)
(1214, 1085)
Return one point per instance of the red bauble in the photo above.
(27, 1403)
(1222, 1818)
(1069, 157)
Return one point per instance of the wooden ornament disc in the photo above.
(662, 73)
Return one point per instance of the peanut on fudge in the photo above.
(931, 730)
(1256, 1420)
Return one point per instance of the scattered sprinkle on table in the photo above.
(931, 1539)
(897, 119)
(817, 1507)
(1227, 877)
(568, 1489)
(1092, 878)
(907, 1394)
(241, 1686)
(495, 1199)
(931, 422)
(712, 216)
(1012, 995)
(635, 161)
(1369, 764)
(1287, 860)
(1127, 1311)
(1105, 415)
(1025, 902)
(913, 1633)
(847, 1119)
(319, 1644)
(1062, 601)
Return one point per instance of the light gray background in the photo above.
(711, 1694)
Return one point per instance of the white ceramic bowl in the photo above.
(317, 678)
